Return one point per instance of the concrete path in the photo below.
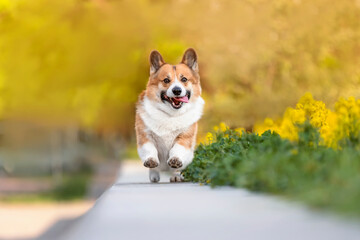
(135, 209)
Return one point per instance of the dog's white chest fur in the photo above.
(163, 126)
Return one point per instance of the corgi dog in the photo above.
(166, 116)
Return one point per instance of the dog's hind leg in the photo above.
(176, 176)
(154, 175)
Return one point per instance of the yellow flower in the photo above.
(240, 130)
(306, 109)
(343, 122)
(269, 122)
(223, 127)
(209, 137)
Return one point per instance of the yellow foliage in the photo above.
(79, 62)
(335, 125)
(346, 119)
(56, 56)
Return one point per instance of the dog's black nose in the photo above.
(176, 91)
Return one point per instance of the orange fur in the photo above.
(167, 71)
(141, 137)
(188, 138)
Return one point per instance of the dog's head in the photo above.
(175, 86)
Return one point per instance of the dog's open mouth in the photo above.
(176, 102)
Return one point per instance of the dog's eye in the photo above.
(166, 80)
(184, 79)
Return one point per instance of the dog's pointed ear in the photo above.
(190, 59)
(156, 61)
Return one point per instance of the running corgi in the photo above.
(166, 115)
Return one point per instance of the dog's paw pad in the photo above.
(176, 179)
(175, 162)
(151, 163)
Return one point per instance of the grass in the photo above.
(317, 175)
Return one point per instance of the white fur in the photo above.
(176, 83)
(186, 155)
(163, 125)
(154, 175)
(148, 150)
(162, 119)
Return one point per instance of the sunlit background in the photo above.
(71, 71)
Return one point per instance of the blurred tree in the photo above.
(85, 62)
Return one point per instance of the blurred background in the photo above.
(71, 71)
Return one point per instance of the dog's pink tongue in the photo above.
(182, 99)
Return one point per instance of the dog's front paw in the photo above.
(151, 163)
(175, 162)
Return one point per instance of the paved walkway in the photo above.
(136, 209)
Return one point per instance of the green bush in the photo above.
(71, 187)
(303, 170)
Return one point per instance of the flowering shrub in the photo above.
(335, 127)
(311, 154)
